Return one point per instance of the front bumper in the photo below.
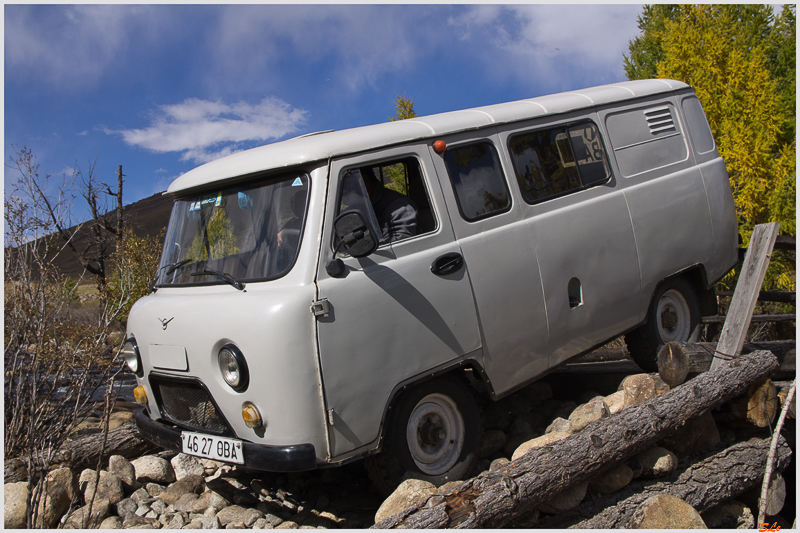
(294, 458)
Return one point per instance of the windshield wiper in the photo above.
(227, 278)
(175, 266)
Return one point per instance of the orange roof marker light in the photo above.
(439, 146)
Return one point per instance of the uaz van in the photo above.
(339, 295)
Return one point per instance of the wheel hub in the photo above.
(435, 434)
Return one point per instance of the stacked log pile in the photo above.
(523, 491)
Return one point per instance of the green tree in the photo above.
(217, 239)
(740, 61)
(404, 108)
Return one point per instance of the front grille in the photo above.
(189, 404)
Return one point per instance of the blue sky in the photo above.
(161, 89)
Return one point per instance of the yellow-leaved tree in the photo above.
(740, 61)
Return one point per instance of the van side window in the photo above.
(397, 196)
(556, 161)
(477, 178)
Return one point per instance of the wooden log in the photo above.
(720, 319)
(84, 452)
(775, 496)
(747, 288)
(677, 360)
(704, 484)
(759, 406)
(768, 296)
(782, 395)
(495, 498)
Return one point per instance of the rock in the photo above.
(516, 404)
(186, 502)
(15, 505)
(15, 470)
(538, 391)
(493, 417)
(656, 462)
(112, 522)
(447, 487)
(81, 518)
(126, 506)
(587, 413)
(615, 402)
(661, 386)
(612, 480)
(177, 522)
(695, 436)
(498, 463)
(666, 512)
(124, 470)
(732, 514)
(288, 525)
(153, 489)
(140, 522)
(565, 500)
(192, 483)
(154, 469)
(209, 500)
(519, 425)
(638, 388)
(184, 465)
(538, 442)
(64, 478)
(560, 425)
(140, 495)
(109, 487)
(492, 441)
(120, 418)
(408, 493)
(52, 506)
(238, 514)
(211, 523)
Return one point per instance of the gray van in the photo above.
(339, 295)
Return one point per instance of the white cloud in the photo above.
(204, 130)
(69, 46)
(553, 46)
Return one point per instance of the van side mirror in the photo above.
(355, 235)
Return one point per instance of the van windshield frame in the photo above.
(245, 232)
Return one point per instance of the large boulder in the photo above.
(732, 514)
(587, 413)
(615, 402)
(52, 506)
(565, 500)
(638, 388)
(109, 487)
(666, 512)
(656, 462)
(185, 465)
(407, 494)
(64, 478)
(191, 484)
(612, 480)
(82, 518)
(154, 469)
(124, 470)
(538, 442)
(15, 505)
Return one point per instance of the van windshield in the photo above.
(242, 233)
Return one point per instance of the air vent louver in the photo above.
(659, 119)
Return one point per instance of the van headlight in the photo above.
(130, 352)
(233, 368)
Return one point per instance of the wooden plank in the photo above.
(768, 296)
(720, 319)
(747, 288)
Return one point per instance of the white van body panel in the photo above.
(544, 278)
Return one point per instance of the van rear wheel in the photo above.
(433, 435)
(674, 315)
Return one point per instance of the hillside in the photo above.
(146, 217)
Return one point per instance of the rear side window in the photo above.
(556, 161)
(702, 139)
(477, 178)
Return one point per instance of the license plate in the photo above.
(212, 447)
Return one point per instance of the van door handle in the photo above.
(447, 264)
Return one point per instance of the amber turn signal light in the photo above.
(140, 395)
(251, 416)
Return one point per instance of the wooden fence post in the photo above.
(744, 299)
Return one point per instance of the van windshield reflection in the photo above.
(243, 233)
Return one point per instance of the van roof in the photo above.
(324, 145)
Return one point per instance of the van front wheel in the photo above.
(674, 315)
(433, 435)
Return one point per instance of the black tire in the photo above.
(674, 315)
(445, 415)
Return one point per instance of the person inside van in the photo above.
(396, 213)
